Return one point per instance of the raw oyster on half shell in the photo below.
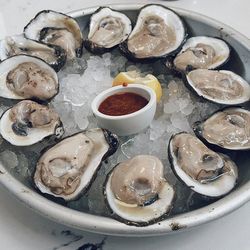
(27, 77)
(201, 169)
(107, 29)
(202, 52)
(54, 55)
(137, 192)
(52, 27)
(28, 122)
(222, 87)
(68, 168)
(158, 32)
(228, 128)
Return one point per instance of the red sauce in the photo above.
(122, 104)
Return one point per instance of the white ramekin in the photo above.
(131, 123)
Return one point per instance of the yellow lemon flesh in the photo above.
(135, 77)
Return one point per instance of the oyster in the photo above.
(202, 52)
(27, 77)
(52, 27)
(54, 55)
(28, 122)
(158, 32)
(223, 87)
(137, 192)
(228, 129)
(203, 170)
(107, 29)
(69, 167)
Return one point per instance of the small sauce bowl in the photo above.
(131, 123)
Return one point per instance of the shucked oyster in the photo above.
(228, 128)
(137, 191)
(69, 167)
(27, 77)
(54, 55)
(52, 27)
(202, 52)
(200, 168)
(107, 29)
(29, 122)
(158, 32)
(223, 87)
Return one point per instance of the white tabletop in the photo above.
(21, 229)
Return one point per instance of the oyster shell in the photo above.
(223, 87)
(158, 32)
(68, 168)
(202, 52)
(27, 77)
(201, 169)
(228, 129)
(107, 29)
(52, 27)
(28, 122)
(54, 55)
(137, 192)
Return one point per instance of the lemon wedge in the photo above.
(134, 77)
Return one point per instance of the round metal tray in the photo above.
(197, 25)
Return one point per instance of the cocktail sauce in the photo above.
(122, 104)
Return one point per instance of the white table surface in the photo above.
(21, 229)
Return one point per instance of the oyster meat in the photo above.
(228, 129)
(202, 52)
(68, 168)
(158, 32)
(137, 192)
(223, 87)
(107, 29)
(203, 170)
(28, 122)
(52, 27)
(54, 55)
(27, 77)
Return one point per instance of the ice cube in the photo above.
(117, 65)
(180, 122)
(188, 109)
(23, 167)
(171, 106)
(9, 159)
(107, 59)
(81, 116)
(157, 129)
(75, 66)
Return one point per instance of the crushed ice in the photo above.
(175, 112)
(9, 158)
(78, 90)
(80, 81)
